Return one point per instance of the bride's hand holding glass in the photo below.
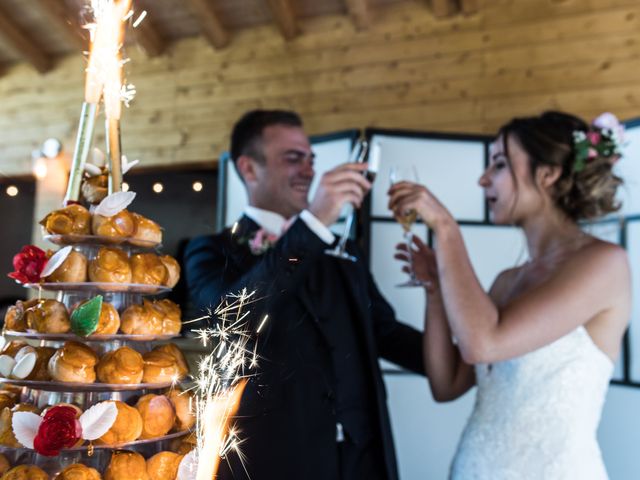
(423, 263)
(412, 197)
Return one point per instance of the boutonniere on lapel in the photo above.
(260, 241)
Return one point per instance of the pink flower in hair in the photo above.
(610, 122)
(593, 153)
(594, 137)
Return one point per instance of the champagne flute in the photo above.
(406, 219)
(357, 155)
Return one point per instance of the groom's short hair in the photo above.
(247, 132)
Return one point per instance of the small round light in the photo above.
(158, 187)
(12, 190)
(197, 186)
(125, 187)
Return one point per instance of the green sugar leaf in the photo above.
(84, 319)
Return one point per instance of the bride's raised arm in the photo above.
(449, 376)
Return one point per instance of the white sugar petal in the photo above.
(92, 169)
(55, 261)
(188, 467)
(6, 365)
(25, 427)
(98, 157)
(24, 366)
(114, 203)
(126, 165)
(23, 351)
(3, 342)
(97, 420)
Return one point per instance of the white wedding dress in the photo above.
(536, 416)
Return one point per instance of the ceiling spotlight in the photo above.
(51, 147)
(158, 187)
(12, 190)
(125, 187)
(197, 186)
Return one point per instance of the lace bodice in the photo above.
(536, 416)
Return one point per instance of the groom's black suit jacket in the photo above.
(287, 414)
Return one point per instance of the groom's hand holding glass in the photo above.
(344, 184)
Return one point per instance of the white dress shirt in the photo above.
(274, 222)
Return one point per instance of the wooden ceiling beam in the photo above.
(149, 38)
(360, 13)
(285, 17)
(444, 8)
(469, 7)
(212, 27)
(23, 44)
(57, 13)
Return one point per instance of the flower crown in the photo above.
(604, 138)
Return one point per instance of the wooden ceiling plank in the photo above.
(210, 23)
(360, 13)
(150, 38)
(285, 17)
(444, 8)
(469, 7)
(57, 12)
(23, 44)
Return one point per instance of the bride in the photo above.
(541, 344)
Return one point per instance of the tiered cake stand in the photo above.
(85, 395)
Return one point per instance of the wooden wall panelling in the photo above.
(466, 74)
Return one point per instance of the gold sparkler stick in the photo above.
(92, 94)
(114, 154)
(81, 151)
(113, 92)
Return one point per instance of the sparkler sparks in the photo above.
(220, 380)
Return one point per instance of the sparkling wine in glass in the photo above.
(360, 148)
(406, 219)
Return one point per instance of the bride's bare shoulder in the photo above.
(503, 284)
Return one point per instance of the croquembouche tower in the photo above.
(91, 381)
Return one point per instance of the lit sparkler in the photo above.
(219, 383)
(104, 72)
(113, 21)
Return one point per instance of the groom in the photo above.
(316, 409)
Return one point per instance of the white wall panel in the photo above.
(609, 232)
(426, 433)
(619, 433)
(633, 247)
(408, 302)
(629, 169)
(493, 249)
(236, 197)
(450, 168)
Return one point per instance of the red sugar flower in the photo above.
(28, 264)
(59, 429)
